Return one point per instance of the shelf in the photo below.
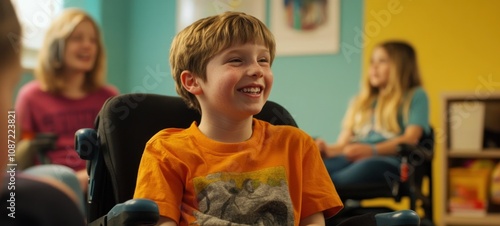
(487, 153)
(491, 219)
(459, 119)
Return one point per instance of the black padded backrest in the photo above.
(427, 140)
(422, 159)
(126, 122)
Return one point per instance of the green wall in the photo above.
(152, 27)
(317, 89)
(116, 30)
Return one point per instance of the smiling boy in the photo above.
(232, 169)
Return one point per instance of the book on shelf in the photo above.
(468, 191)
(467, 208)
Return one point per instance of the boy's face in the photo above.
(239, 81)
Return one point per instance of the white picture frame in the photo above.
(318, 37)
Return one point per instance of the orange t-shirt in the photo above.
(276, 177)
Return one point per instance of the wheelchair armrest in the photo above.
(45, 142)
(86, 143)
(414, 151)
(419, 159)
(87, 146)
(398, 218)
(134, 212)
(411, 157)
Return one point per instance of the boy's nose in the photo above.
(256, 70)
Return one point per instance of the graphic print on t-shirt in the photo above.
(249, 198)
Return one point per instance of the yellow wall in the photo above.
(458, 47)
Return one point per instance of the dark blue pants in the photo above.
(375, 169)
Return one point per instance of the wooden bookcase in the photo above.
(466, 117)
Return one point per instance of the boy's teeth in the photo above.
(251, 90)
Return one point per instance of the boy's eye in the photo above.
(232, 60)
(263, 60)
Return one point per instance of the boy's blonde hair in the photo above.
(10, 35)
(51, 57)
(195, 45)
(403, 78)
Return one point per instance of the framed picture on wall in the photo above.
(306, 27)
(188, 11)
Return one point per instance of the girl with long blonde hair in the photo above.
(391, 108)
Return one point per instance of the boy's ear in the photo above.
(190, 83)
